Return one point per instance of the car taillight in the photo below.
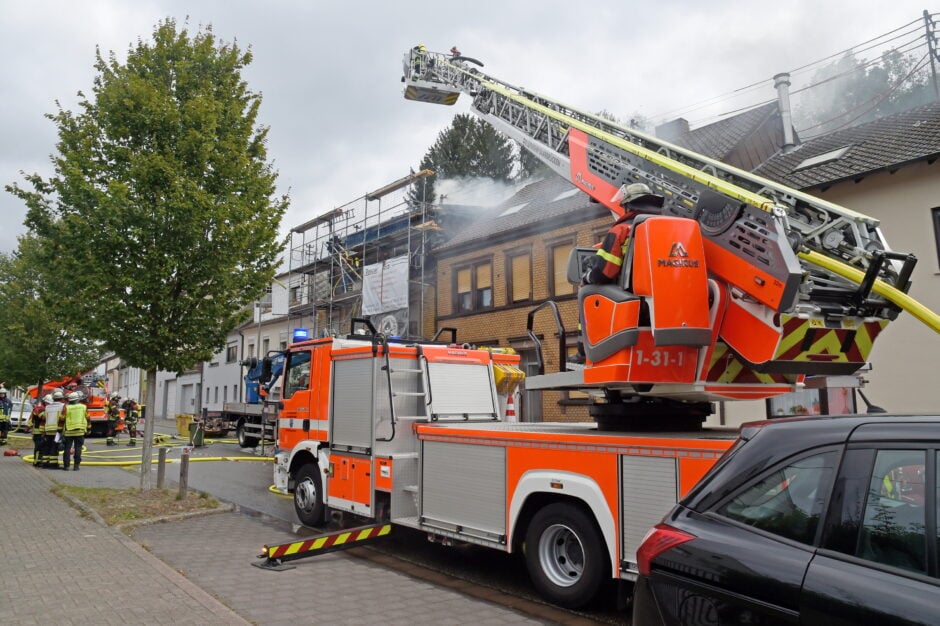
(660, 538)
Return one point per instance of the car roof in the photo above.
(828, 426)
(764, 443)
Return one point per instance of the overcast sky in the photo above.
(329, 71)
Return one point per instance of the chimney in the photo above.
(673, 131)
(782, 85)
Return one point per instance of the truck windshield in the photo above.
(297, 377)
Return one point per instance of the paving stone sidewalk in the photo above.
(216, 552)
(62, 567)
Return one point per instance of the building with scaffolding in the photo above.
(370, 258)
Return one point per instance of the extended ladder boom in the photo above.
(762, 237)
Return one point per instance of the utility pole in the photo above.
(932, 51)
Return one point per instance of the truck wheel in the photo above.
(565, 555)
(244, 441)
(308, 495)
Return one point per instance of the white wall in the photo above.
(222, 377)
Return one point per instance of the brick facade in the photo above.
(504, 323)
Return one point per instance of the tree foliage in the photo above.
(160, 222)
(851, 91)
(468, 148)
(36, 344)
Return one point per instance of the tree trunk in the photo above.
(146, 476)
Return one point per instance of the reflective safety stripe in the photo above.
(610, 258)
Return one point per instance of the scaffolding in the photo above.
(328, 256)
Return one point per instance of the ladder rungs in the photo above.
(408, 393)
(407, 371)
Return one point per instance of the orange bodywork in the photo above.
(350, 478)
(753, 337)
(382, 473)
(646, 363)
(581, 174)
(669, 268)
(304, 415)
(594, 455)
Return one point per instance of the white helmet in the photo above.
(115, 395)
(47, 398)
(57, 394)
(74, 396)
(3, 390)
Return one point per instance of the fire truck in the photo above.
(737, 290)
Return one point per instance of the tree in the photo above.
(469, 147)
(851, 91)
(160, 223)
(36, 344)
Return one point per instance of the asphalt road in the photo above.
(245, 484)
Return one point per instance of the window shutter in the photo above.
(463, 280)
(521, 278)
(560, 284)
(484, 276)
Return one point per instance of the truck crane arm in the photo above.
(798, 268)
(262, 374)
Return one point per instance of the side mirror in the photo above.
(265, 370)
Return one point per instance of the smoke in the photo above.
(475, 191)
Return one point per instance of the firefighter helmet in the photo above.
(639, 197)
(57, 394)
(47, 398)
(3, 390)
(74, 396)
(115, 395)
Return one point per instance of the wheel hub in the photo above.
(305, 495)
(561, 555)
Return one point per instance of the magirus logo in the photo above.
(678, 250)
(678, 257)
(580, 178)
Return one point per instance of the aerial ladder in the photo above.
(788, 284)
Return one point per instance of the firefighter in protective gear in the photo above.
(113, 412)
(6, 407)
(37, 421)
(76, 425)
(131, 416)
(419, 58)
(635, 199)
(52, 430)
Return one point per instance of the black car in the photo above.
(829, 520)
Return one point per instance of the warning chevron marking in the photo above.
(325, 543)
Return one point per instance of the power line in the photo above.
(876, 100)
(832, 56)
(764, 82)
(859, 67)
(903, 49)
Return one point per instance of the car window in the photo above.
(789, 501)
(893, 528)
